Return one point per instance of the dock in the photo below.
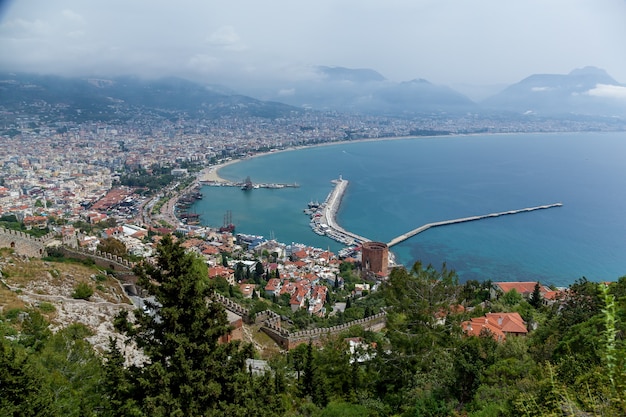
(248, 185)
(324, 218)
(427, 226)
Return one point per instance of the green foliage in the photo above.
(535, 298)
(144, 180)
(73, 372)
(47, 307)
(21, 388)
(112, 246)
(197, 375)
(511, 298)
(343, 409)
(415, 298)
(82, 291)
(35, 331)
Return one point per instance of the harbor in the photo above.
(427, 226)
(323, 218)
(245, 186)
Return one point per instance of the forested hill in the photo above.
(123, 98)
(571, 363)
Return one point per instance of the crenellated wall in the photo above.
(27, 245)
(24, 244)
(271, 325)
(123, 268)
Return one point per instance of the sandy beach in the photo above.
(211, 174)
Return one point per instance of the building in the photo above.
(524, 288)
(498, 325)
(374, 259)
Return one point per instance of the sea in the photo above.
(400, 184)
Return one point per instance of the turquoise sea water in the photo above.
(398, 185)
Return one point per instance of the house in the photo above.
(298, 298)
(37, 222)
(360, 288)
(273, 287)
(222, 271)
(246, 290)
(524, 288)
(499, 325)
(317, 300)
(112, 232)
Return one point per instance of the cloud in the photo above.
(203, 63)
(227, 38)
(608, 91)
(538, 89)
(73, 16)
(285, 92)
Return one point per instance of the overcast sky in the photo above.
(444, 41)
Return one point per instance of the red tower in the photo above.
(374, 257)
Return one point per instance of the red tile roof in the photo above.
(498, 324)
(524, 288)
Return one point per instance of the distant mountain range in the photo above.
(121, 98)
(588, 91)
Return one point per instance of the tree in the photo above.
(512, 298)
(417, 296)
(188, 371)
(82, 291)
(21, 392)
(420, 356)
(112, 246)
(535, 298)
(258, 271)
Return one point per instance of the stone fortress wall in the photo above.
(26, 245)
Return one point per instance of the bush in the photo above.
(47, 307)
(82, 291)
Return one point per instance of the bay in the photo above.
(398, 185)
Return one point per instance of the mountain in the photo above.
(368, 92)
(82, 99)
(585, 91)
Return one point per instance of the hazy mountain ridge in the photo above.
(587, 92)
(120, 97)
(582, 91)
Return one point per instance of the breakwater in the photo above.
(323, 219)
(427, 226)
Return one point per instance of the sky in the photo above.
(237, 42)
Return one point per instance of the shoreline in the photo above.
(211, 173)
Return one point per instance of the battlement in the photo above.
(23, 243)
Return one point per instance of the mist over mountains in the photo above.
(585, 92)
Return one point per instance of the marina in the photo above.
(248, 185)
(323, 218)
(323, 215)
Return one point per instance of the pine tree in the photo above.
(21, 391)
(188, 372)
(535, 298)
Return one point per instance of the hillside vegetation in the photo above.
(571, 363)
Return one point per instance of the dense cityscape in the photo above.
(117, 193)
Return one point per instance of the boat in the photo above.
(247, 185)
(229, 226)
